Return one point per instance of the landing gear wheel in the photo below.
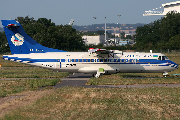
(99, 73)
(97, 76)
(165, 74)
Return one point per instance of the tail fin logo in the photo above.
(17, 39)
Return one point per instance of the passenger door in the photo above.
(58, 64)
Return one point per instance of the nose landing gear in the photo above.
(165, 74)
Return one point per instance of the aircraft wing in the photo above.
(99, 51)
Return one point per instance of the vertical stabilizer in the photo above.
(19, 42)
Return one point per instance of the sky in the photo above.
(82, 11)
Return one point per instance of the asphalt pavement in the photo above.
(80, 79)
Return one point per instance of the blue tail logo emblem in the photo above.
(17, 39)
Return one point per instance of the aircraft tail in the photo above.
(19, 42)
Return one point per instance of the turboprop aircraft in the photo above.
(96, 61)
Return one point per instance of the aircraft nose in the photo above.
(175, 65)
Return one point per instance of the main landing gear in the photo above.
(96, 75)
(99, 73)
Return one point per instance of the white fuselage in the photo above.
(86, 62)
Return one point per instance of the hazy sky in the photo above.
(83, 11)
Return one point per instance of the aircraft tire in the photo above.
(97, 76)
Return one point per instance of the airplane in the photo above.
(71, 22)
(96, 61)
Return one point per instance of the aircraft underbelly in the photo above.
(93, 68)
(131, 68)
(158, 69)
(140, 68)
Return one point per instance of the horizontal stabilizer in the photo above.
(10, 23)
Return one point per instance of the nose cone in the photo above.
(174, 65)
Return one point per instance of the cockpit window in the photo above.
(163, 58)
(159, 58)
(166, 58)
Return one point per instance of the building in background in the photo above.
(95, 40)
(112, 28)
(123, 43)
(168, 7)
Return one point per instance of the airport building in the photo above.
(168, 7)
(95, 40)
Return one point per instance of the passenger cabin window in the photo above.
(92, 60)
(101, 60)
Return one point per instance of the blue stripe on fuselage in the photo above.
(141, 61)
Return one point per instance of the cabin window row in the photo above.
(140, 55)
(100, 60)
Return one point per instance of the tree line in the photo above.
(3, 43)
(45, 32)
(161, 34)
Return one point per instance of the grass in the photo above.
(19, 70)
(30, 72)
(10, 87)
(119, 80)
(85, 103)
(93, 103)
